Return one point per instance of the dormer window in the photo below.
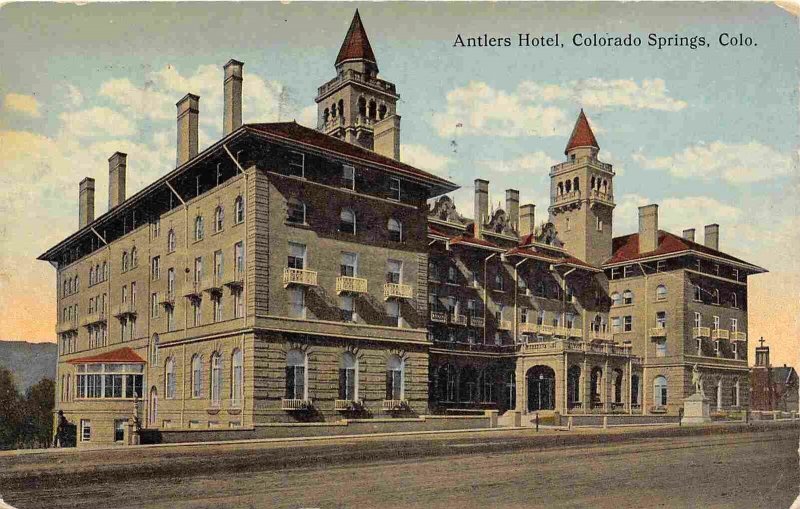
(395, 230)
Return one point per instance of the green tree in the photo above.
(37, 422)
(9, 410)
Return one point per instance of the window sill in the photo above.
(304, 226)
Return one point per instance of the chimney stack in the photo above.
(711, 236)
(85, 202)
(117, 165)
(688, 234)
(527, 225)
(188, 113)
(386, 137)
(512, 207)
(481, 206)
(232, 115)
(648, 228)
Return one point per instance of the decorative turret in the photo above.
(582, 137)
(356, 105)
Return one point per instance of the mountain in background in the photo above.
(29, 362)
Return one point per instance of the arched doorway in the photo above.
(541, 388)
(573, 386)
(597, 387)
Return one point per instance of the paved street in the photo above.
(464, 470)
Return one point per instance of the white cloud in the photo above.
(536, 109)
(423, 158)
(141, 102)
(96, 122)
(74, 95)
(676, 214)
(733, 163)
(538, 163)
(22, 103)
(601, 94)
(308, 116)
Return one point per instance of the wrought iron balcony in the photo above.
(351, 285)
(394, 405)
(166, 299)
(93, 318)
(212, 285)
(397, 291)
(67, 326)
(235, 281)
(596, 335)
(292, 405)
(192, 290)
(347, 405)
(477, 321)
(657, 332)
(505, 325)
(701, 332)
(125, 309)
(458, 319)
(439, 316)
(299, 277)
(720, 334)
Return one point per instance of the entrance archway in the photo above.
(597, 386)
(541, 388)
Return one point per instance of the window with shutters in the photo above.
(296, 375)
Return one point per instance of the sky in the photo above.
(710, 134)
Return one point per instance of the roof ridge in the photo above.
(582, 135)
(356, 44)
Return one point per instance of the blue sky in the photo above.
(710, 134)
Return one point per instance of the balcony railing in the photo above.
(567, 332)
(720, 334)
(701, 332)
(125, 309)
(299, 277)
(657, 332)
(93, 318)
(347, 405)
(527, 328)
(236, 281)
(597, 335)
(504, 325)
(166, 299)
(591, 161)
(212, 285)
(601, 196)
(192, 290)
(393, 405)
(67, 326)
(295, 404)
(439, 316)
(477, 321)
(458, 319)
(738, 336)
(397, 291)
(567, 197)
(351, 284)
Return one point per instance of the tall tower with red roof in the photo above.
(356, 105)
(582, 197)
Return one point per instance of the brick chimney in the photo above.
(481, 205)
(648, 228)
(688, 234)
(527, 224)
(512, 207)
(117, 165)
(85, 202)
(232, 114)
(188, 116)
(711, 236)
(386, 137)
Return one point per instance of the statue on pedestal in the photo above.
(697, 381)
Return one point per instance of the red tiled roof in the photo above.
(551, 258)
(356, 44)
(626, 248)
(434, 231)
(472, 240)
(122, 355)
(582, 135)
(295, 132)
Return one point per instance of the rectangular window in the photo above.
(615, 273)
(599, 224)
(348, 177)
(661, 319)
(297, 163)
(661, 347)
(170, 319)
(394, 188)
(347, 306)
(238, 303)
(154, 305)
(698, 320)
(716, 322)
(171, 282)
(394, 271)
(119, 429)
(198, 269)
(196, 313)
(716, 269)
(217, 302)
(295, 211)
(661, 265)
(736, 274)
(86, 430)
(433, 271)
(349, 264)
(155, 269)
(295, 382)
(627, 324)
(238, 259)
(734, 325)
(297, 303)
(297, 256)
(393, 312)
(133, 293)
(627, 271)
(616, 324)
(219, 267)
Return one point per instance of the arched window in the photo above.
(661, 292)
(634, 390)
(105, 271)
(171, 241)
(593, 182)
(382, 112)
(560, 188)
(238, 209)
(576, 184)
(627, 297)
(154, 350)
(295, 211)
(362, 107)
(395, 230)
(296, 386)
(197, 376)
(199, 230)
(616, 300)
(153, 406)
(134, 257)
(568, 186)
(216, 378)
(237, 378)
(334, 111)
(124, 261)
(716, 296)
(219, 219)
(91, 276)
(372, 110)
(660, 391)
(395, 378)
(341, 107)
(617, 381)
(325, 115)
(77, 283)
(347, 221)
(348, 377)
(170, 382)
